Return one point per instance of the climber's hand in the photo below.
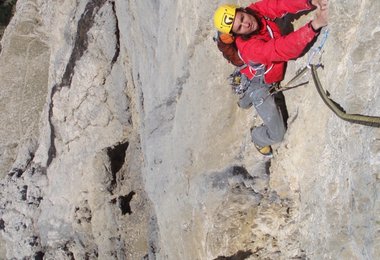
(321, 4)
(321, 16)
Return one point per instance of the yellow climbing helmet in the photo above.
(224, 18)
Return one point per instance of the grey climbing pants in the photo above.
(273, 129)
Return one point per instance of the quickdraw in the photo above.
(278, 88)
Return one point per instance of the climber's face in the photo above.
(244, 23)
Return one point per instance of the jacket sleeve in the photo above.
(281, 49)
(278, 8)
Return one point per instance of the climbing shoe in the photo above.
(265, 150)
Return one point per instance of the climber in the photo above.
(265, 51)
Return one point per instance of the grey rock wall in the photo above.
(24, 73)
(74, 188)
(120, 139)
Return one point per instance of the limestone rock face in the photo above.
(75, 186)
(121, 139)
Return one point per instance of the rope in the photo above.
(335, 107)
(338, 110)
(372, 121)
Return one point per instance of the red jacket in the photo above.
(273, 51)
